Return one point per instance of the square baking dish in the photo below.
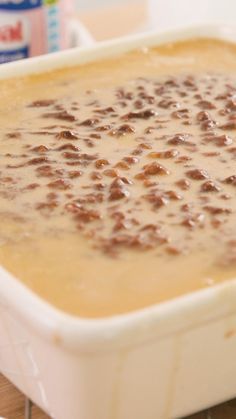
(165, 361)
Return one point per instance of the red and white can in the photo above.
(33, 27)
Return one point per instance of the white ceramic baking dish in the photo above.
(165, 361)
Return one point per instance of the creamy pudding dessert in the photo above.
(118, 178)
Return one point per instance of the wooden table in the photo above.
(12, 403)
(12, 406)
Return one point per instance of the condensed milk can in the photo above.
(33, 27)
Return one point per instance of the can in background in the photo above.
(33, 27)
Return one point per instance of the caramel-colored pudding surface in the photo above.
(118, 178)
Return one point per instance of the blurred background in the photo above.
(35, 27)
(112, 18)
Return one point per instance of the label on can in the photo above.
(32, 27)
(14, 37)
(19, 4)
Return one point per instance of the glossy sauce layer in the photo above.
(118, 180)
